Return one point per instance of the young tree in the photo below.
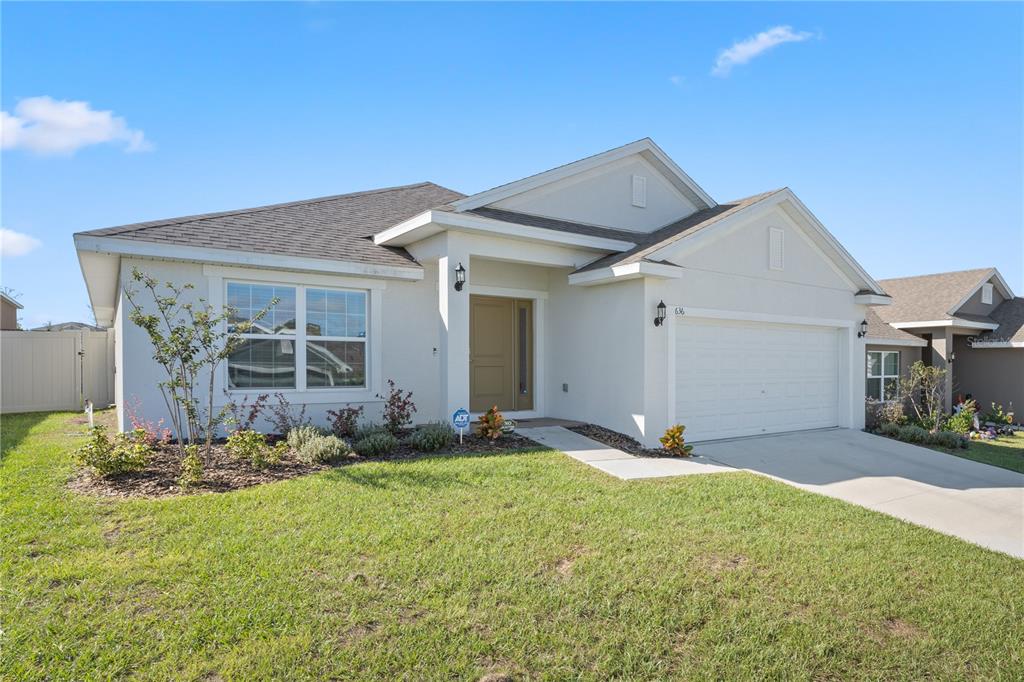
(190, 340)
(924, 390)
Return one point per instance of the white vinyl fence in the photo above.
(41, 371)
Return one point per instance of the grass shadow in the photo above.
(14, 428)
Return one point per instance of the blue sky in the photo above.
(900, 126)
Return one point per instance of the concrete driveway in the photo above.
(977, 502)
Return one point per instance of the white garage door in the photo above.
(748, 378)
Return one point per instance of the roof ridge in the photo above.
(147, 224)
(938, 274)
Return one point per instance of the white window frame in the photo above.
(883, 376)
(218, 276)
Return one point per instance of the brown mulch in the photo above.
(614, 439)
(225, 473)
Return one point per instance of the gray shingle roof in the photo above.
(929, 297)
(877, 329)
(555, 224)
(1010, 316)
(669, 234)
(335, 228)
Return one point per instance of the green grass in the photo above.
(1005, 451)
(530, 565)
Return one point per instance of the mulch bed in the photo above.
(225, 473)
(618, 440)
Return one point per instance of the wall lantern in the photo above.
(863, 329)
(659, 319)
(460, 277)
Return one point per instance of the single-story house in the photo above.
(611, 290)
(969, 322)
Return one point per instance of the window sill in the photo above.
(311, 396)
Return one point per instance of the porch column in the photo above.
(942, 346)
(454, 309)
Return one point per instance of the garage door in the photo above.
(743, 378)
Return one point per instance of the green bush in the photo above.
(912, 434)
(947, 439)
(300, 435)
(252, 445)
(324, 449)
(889, 429)
(191, 468)
(431, 437)
(368, 430)
(962, 421)
(376, 444)
(128, 451)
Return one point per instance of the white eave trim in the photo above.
(955, 322)
(997, 344)
(134, 247)
(11, 301)
(874, 341)
(618, 273)
(430, 222)
(872, 299)
(554, 175)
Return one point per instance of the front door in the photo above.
(500, 353)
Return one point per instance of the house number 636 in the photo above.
(680, 311)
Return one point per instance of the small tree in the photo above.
(190, 340)
(924, 390)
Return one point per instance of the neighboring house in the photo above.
(9, 312)
(540, 296)
(969, 322)
(68, 327)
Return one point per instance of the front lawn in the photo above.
(1005, 451)
(525, 565)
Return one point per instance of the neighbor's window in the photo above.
(266, 357)
(883, 375)
(336, 338)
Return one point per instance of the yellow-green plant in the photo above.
(125, 452)
(490, 423)
(191, 468)
(674, 442)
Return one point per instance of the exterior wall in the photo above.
(604, 196)
(991, 375)
(974, 306)
(8, 315)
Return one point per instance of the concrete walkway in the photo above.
(616, 462)
(976, 502)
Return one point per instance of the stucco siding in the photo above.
(974, 306)
(990, 375)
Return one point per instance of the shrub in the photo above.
(284, 417)
(156, 432)
(431, 437)
(997, 416)
(300, 435)
(912, 433)
(490, 424)
(345, 421)
(674, 442)
(398, 408)
(962, 421)
(947, 439)
(323, 449)
(245, 414)
(376, 444)
(246, 443)
(191, 468)
(889, 429)
(126, 452)
(368, 430)
(924, 390)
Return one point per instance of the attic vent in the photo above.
(986, 293)
(776, 248)
(640, 191)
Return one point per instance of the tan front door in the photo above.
(500, 353)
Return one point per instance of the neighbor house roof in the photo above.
(664, 236)
(336, 227)
(68, 326)
(1009, 315)
(11, 301)
(931, 297)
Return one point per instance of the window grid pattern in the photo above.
(883, 375)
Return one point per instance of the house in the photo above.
(611, 290)
(9, 308)
(68, 327)
(969, 322)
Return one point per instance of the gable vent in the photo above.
(640, 191)
(986, 294)
(776, 248)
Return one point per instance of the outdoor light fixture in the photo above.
(660, 317)
(460, 277)
(863, 329)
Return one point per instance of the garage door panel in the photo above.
(738, 379)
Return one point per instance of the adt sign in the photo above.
(460, 418)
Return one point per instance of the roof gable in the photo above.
(937, 296)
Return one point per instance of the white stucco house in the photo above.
(558, 313)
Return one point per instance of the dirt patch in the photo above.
(617, 440)
(718, 564)
(901, 628)
(564, 566)
(224, 472)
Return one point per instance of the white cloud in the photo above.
(743, 51)
(47, 126)
(676, 80)
(13, 244)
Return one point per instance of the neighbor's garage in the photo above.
(750, 378)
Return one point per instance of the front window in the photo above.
(883, 375)
(320, 343)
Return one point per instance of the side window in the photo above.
(883, 375)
